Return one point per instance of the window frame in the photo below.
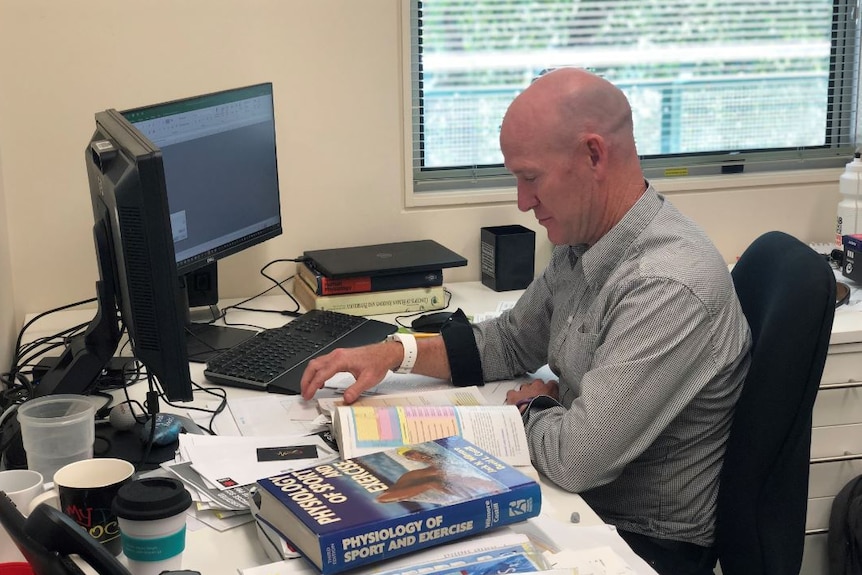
(494, 185)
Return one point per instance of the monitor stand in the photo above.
(205, 340)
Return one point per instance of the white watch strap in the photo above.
(408, 342)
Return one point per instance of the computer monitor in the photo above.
(138, 279)
(221, 176)
(174, 187)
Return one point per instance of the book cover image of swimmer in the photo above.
(353, 512)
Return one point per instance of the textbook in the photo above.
(373, 302)
(323, 285)
(369, 427)
(354, 512)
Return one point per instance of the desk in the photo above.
(222, 553)
(836, 439)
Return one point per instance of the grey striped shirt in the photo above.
(650, 347)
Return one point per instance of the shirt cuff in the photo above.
(465, 366)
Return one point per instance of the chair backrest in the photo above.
(787, 292)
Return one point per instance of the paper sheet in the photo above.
(393, 383)
(449, 396)
(230, 461)
(273, 415)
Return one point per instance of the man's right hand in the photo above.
(368, 364)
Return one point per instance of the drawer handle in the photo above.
(816, 531)
(836, 458)
(845, 385)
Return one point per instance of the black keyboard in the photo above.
(274, 359)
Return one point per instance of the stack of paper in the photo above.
(219, 470)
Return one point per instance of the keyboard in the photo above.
(273, 360)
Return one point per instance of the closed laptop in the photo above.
(383, 259)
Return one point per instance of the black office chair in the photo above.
(787, 292)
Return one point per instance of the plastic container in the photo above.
(56, 430)
(849, 218)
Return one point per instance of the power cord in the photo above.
(19, 387)
(276, 284)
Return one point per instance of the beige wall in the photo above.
(336, 70)
(8, 324)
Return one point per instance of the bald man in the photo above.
(635, 315)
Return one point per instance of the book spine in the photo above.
(323, 285)
(389, 538)
(374, 302)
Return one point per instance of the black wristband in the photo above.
(464, 363)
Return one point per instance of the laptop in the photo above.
(384, 259)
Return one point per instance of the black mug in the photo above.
(85, 491)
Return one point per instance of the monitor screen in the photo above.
(221, 176)
(175, 187)
(219, 157)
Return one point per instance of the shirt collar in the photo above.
(600, 259)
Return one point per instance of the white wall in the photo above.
(336, 70)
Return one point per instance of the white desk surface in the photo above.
(214, 553)
(222, 553)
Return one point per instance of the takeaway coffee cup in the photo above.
(152, 519)
(21, 486)
(56, 430)
(84, 490)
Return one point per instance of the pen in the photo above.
(424, 334)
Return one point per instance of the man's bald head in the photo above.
(569, 102)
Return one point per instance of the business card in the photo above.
(286, 453)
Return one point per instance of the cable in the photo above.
(40, 316)
(416, 313)
(215, 391)
(276, 284)
(18, 386)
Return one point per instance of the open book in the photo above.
(372, 426)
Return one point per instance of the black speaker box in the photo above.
(508, 257)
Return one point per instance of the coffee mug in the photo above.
(84, 490)
(21, 486)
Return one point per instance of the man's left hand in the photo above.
(530, 390)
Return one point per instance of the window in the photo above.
(716, 86)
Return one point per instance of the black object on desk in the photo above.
(275, 359)
(47, 539)
(383, 259)
(430, 322)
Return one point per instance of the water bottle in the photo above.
(849, 220)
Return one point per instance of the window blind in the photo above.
(715, 85)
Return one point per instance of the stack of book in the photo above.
(369, 295)
(397, 277)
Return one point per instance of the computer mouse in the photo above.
(430, 322)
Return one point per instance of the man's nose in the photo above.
(526, 201)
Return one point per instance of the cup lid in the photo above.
(151, 498)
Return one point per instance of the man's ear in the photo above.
(597, 151)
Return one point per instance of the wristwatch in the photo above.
(408, 342)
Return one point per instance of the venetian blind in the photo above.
(715, 85)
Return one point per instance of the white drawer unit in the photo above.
(836, 436)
